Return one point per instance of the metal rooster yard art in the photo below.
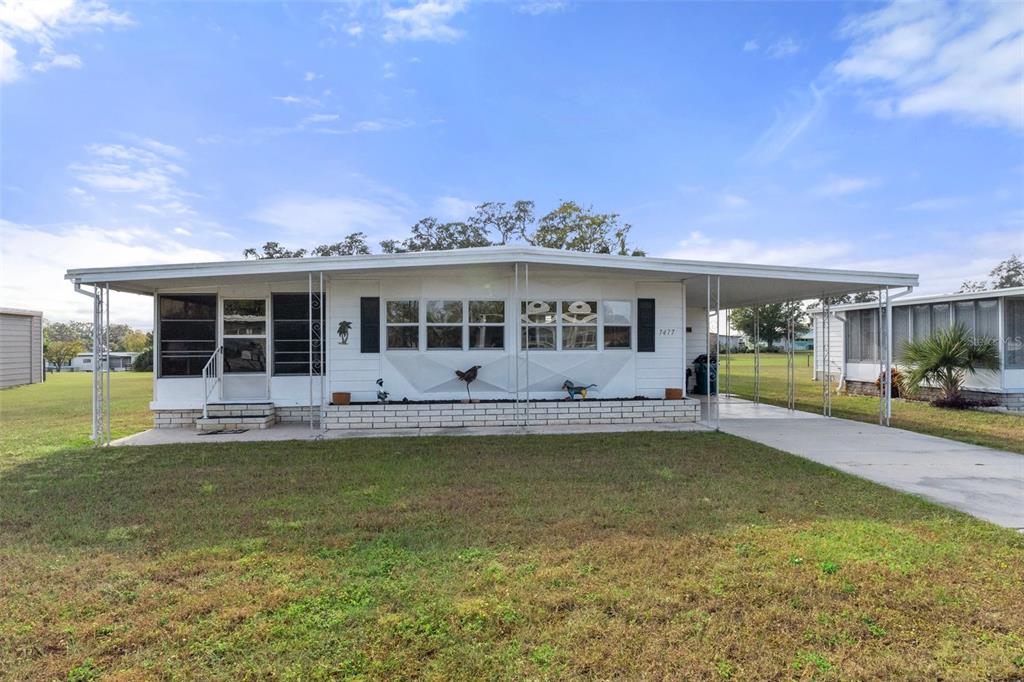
(469, 376)
(573, 390)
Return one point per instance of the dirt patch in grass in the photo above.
(657, 555)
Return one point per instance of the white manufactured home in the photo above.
(120, 361)
(274, 340)
(853, 340)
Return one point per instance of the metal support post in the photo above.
(757, 354)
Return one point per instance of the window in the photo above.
(540, 325)
(618, 324)
(988, 318)
(862, 336)
(1013, 341)
(579, 325)
(403, 325)
(922, 322)
(486, 324)
(900, 331)
(188, 333)
(245, 336)
(964, 313)
(444, 325)
(290, 324)
(940, 316)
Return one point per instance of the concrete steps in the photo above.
(231, 416)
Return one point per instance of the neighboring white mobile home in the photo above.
(120, 361)
(522, 321)
(854, 339)
(21, 347)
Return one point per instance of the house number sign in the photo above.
(668, 332)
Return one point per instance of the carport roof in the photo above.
(741, 283)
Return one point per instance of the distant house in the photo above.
(119, 362)
(803, 341)
(998, 314)
(21, 347)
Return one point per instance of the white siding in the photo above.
(20, 349)
(836, 344)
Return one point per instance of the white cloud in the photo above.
(538, 7)
(936, 204)
(182, 231)
(42, 24)
(841, 186)
(454, 208)
(298, 99)
(789, 125)
(123, 168)
(34, 262)
(786, 47)
(310, 76)
(332, 217)
(751, 46)
(58, 61)
(354, 30)
(427, 20)
(320, 118)
(920, 59)
(700, 246)
(733, 201)
(370, 126)
(389, 70)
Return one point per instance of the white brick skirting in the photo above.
(440, 415)
(175, 419)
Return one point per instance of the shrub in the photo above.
(143, 362)
(945, 358)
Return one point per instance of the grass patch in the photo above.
(624, 555)
(642, 555)
(57, 414)
(994, 430)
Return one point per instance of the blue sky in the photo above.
(828, 134)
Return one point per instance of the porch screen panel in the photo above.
(988, 318)
(869, 335)
(854, 340)
(188, 333)
(1013, 340)
(922, 322)
(940, 317)
(900, 331)
(290, 315)
(963, 313)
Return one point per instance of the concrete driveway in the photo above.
(981, 481)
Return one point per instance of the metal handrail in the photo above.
(211, 370)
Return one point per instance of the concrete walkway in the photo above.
(981, 481)
(289, 431)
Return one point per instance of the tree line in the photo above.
(64, 340)
(570, 226)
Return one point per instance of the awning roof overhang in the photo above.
(741, 284)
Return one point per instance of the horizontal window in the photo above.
(486, 337)
(290, 313)
(187, 333)
(618, 321)
(486, 312)
(403, 312)
(245, 355)
(539, 338)
(444, 337)
(403, 337)
(579, 337)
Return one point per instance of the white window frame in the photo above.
(427, 324)
(418, 324)
(469, 325)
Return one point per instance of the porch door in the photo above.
(244, 336)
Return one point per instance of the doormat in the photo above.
(221, 432)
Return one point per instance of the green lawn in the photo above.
(658, 555)
(1003, 431)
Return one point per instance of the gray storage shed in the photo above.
(21, 347)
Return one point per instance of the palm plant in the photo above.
(945, 358)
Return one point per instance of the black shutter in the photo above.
(645, 325)
(369, 324)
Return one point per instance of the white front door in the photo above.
(244, 336)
